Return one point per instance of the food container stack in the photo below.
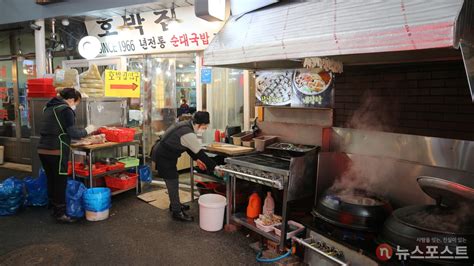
(67, 78)
(42, 87)
(238, 138)
(91, 82)
(263, 141)
(267, 222)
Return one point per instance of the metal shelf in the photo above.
(241, 218)
(210, 177)
(107, 173)
(122, 191)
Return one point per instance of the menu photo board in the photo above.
(310, 88)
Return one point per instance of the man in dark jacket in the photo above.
(180, 138)
(57, 130)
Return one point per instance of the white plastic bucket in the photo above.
(211, 212)
(97, 216)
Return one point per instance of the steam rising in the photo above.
(370, 173)
(375, 113)
(377, 175)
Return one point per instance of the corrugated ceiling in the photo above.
(330, 28)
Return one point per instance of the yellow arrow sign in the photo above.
(122, 84)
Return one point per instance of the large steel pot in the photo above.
(353, 209)
(422, 227)
(447, 225)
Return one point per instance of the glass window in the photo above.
(26, 71)
(135, 113)
(7, 104)
(186, 85)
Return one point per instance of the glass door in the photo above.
(166, 81)
(7, 104)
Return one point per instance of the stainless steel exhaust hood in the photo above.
(465, 35)
(375, 32)
(301, 29)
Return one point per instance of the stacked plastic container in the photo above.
(41, 88)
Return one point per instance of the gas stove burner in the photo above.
(291, 149)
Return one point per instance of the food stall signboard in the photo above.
(153, 32)
(122, 84)
(311, 88)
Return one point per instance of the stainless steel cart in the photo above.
(119, 149)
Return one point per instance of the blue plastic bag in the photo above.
(11, 196)
(37, 190)
(144, 172)
(74, 198)
(97, 199)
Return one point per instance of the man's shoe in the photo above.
(65, 219)
(183, 207)
(182, 216)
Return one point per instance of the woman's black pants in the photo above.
(56, 183)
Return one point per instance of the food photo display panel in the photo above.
(310, 88)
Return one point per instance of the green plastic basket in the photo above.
(130, 162)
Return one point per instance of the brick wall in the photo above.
(429, 99)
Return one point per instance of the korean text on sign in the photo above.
(122, 84)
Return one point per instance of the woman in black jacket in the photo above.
(57, 130)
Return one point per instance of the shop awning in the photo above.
(334, 28)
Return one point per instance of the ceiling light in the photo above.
(65, 22)
(180, 66)
(89, 47)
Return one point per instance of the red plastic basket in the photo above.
(118, 134)
(69, 167)
(113, 167)
(117, 183)
(39, 88)
(99, 169)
